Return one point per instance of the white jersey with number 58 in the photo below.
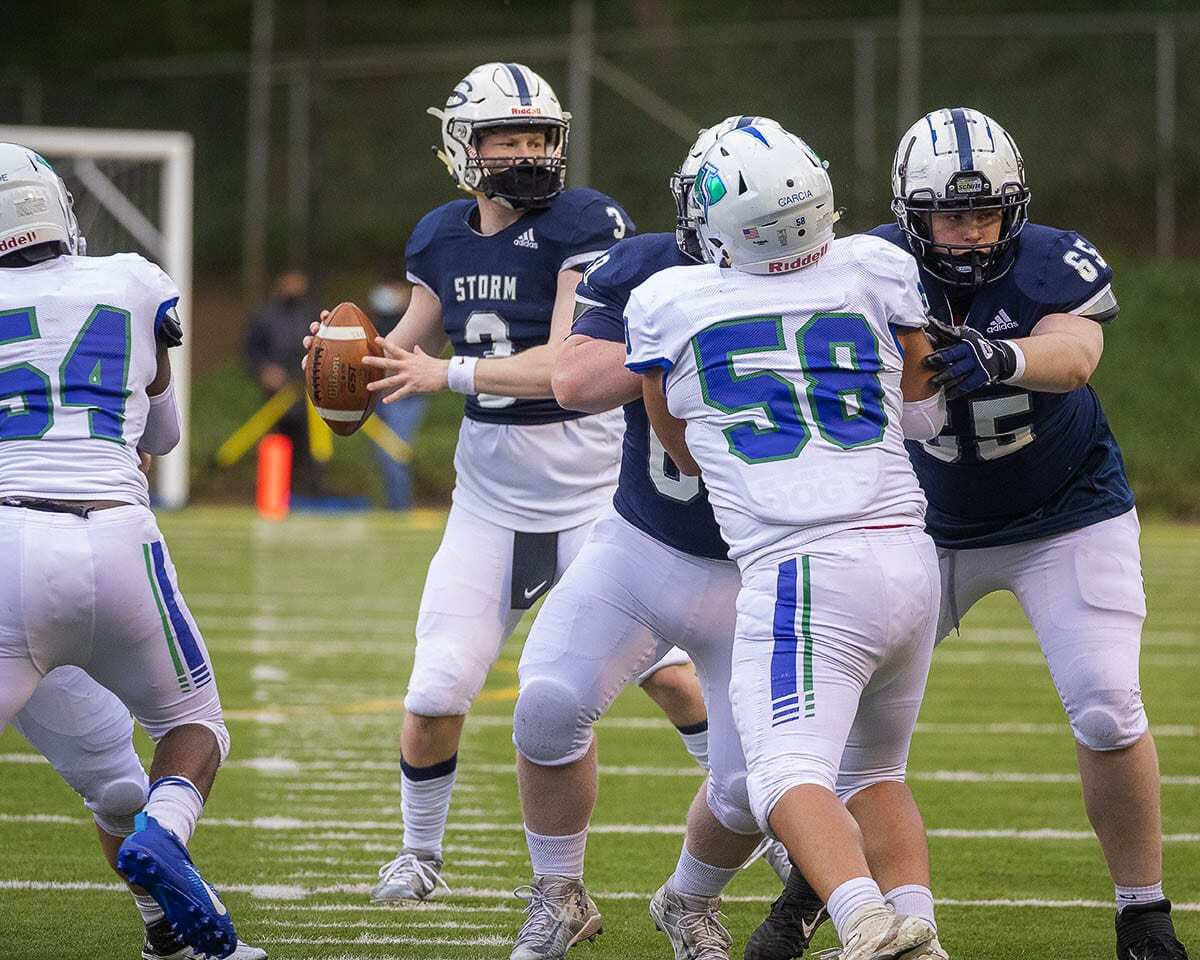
(790, 385)
(77, 351)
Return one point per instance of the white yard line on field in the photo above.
(485, 893)
(631, 829)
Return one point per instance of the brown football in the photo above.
(336, 377)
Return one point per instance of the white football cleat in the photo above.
(931, 951)
(560, 914)
(412, 875)
(692, 924)
(879, 933)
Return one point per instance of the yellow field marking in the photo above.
(506, 695)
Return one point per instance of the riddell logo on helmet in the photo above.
(526, 111)
(20, 240)
(785, 266)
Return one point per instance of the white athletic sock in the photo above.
(557, 856)
(1128, 895)
(695, 738)
(699, 879)
(148, 907)
(425, 803)
(913, 900)
(849, 898)
(176, 804)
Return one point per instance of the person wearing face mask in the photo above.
(273, 353)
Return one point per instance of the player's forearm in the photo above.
(590, 376)
(1061, 354)
(417, 332)
(669, 429)
(526, 375)
(421, 324)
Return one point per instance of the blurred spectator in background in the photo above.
(273, 354)
(386, 304)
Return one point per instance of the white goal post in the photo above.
(90, 161)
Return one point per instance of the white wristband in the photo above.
(460, 377)
(1020, 357)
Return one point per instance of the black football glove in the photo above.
(169, 332)
(967, 361)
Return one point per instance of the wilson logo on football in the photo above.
(785, 266)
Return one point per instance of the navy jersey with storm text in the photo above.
(651, 494)
(1012, 464)
(497, 292)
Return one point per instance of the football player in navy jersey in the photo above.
(1026, 487)
(655, 571)
(495, 274)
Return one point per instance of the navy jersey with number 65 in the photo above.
(652, 494)
(497, 292)
(1012, 464)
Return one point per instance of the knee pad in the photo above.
(549, 725)
(730, 804)
(1109, 720)
(115, 804)
(442, 701)
(445, 687)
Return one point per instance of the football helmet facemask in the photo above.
(958, 159)
(497, 96)
(682, 179)
(35, 206)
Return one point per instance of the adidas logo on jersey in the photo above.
(526, 240)
(1001, 322)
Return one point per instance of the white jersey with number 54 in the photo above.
(77, 351)
(790, 386)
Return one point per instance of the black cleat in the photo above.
(1145, 932)
(789, 927)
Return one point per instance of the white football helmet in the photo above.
(959, 159)
(686, 236)
(762, 202)
(504, 95)
(35, 205)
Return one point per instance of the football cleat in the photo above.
(412, 875)
(931, 951)
(559, 915)
(692, 924)
(1145, 932)
(153, 858)
(879, 933)
(162, 944)
(789, 927)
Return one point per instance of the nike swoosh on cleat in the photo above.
(532, 591)
(216, 901)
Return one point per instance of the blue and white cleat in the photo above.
(153, 858)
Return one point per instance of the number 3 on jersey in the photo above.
(487, 326)
(93, 375)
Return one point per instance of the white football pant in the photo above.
(830, 661)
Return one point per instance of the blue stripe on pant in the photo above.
(784, 691)
(197, 666)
